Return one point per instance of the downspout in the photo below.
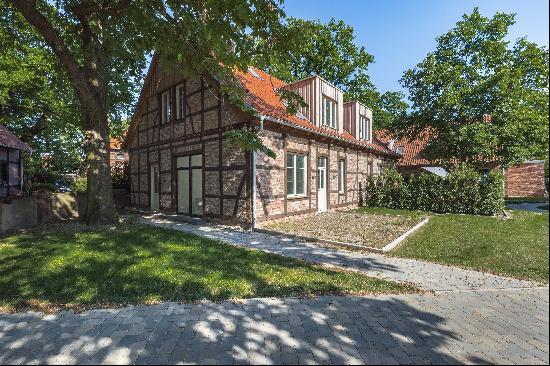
(253, 185)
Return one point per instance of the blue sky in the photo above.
(399, 33)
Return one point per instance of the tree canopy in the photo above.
(329, 50)
(102, 46)
(481, 96)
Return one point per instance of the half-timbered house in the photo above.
(181, 160)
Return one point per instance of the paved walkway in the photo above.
(528, 206)
(470, 318)
(426, 275)
(505, 326)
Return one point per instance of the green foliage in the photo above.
(80, 185)
(40, 186)
(463, 190)
(329, 50)
(248, 140)
(474, 73)
(120, 174)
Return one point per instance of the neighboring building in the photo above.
(116, 153)
(181, 161)
(11, 163)
(524, 180)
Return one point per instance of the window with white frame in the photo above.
(296, 174)
(165, 106)
(120, 155)
(329, 112)
(341, 176)
(180, 101)
(364, 128)
(369, 168)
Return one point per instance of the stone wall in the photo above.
(19, 213)
(525, 180)
(51, 207)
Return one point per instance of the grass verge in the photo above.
(75, 267)
(516, 247)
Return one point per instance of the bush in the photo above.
(81, 185)
(463, 190)
(120, 174)
(41, 186)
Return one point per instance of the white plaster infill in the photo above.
(336, 243)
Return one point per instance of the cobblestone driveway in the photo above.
(505, 326)
(470, 318)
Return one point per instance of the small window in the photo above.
(364, 128)
(165, 105)
(296, 175)
(369, 168)
(4, 174)
(120, 155)
(180, 101)
(341, 176)
(329, 112)
(400, 150)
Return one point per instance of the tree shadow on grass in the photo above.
(135, 263)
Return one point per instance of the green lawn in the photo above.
(515, 247)
(71, 266)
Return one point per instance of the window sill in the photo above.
(296, 196)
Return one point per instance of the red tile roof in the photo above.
(8, 139)
(412, 149)
(115, 143)
(262, 96)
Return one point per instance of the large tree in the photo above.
(330, 51)
(480, 97)
(101, 45)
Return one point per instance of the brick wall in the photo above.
(525, 180)
(271, 199)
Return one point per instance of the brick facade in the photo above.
(271, 199)
(200, 131)
(227, 169)
(525, 180)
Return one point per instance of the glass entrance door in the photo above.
(190, 175)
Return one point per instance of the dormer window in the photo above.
(329, 112)
(165, 107)
(364, 128)
(400, 150)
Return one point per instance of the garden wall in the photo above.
(17, 214)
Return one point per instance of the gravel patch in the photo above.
(350, 227)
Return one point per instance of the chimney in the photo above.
(390, 144)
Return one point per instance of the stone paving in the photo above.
(505, 326)
(426, 275)
(470, 318)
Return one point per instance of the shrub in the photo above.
(120, 174)
(81, 185)
(463, 190)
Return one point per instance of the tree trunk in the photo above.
(100, 207)
(90, 82)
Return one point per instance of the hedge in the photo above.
(463, 190)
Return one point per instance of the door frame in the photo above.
(151, 185)
(190, 169)
(326, 175)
